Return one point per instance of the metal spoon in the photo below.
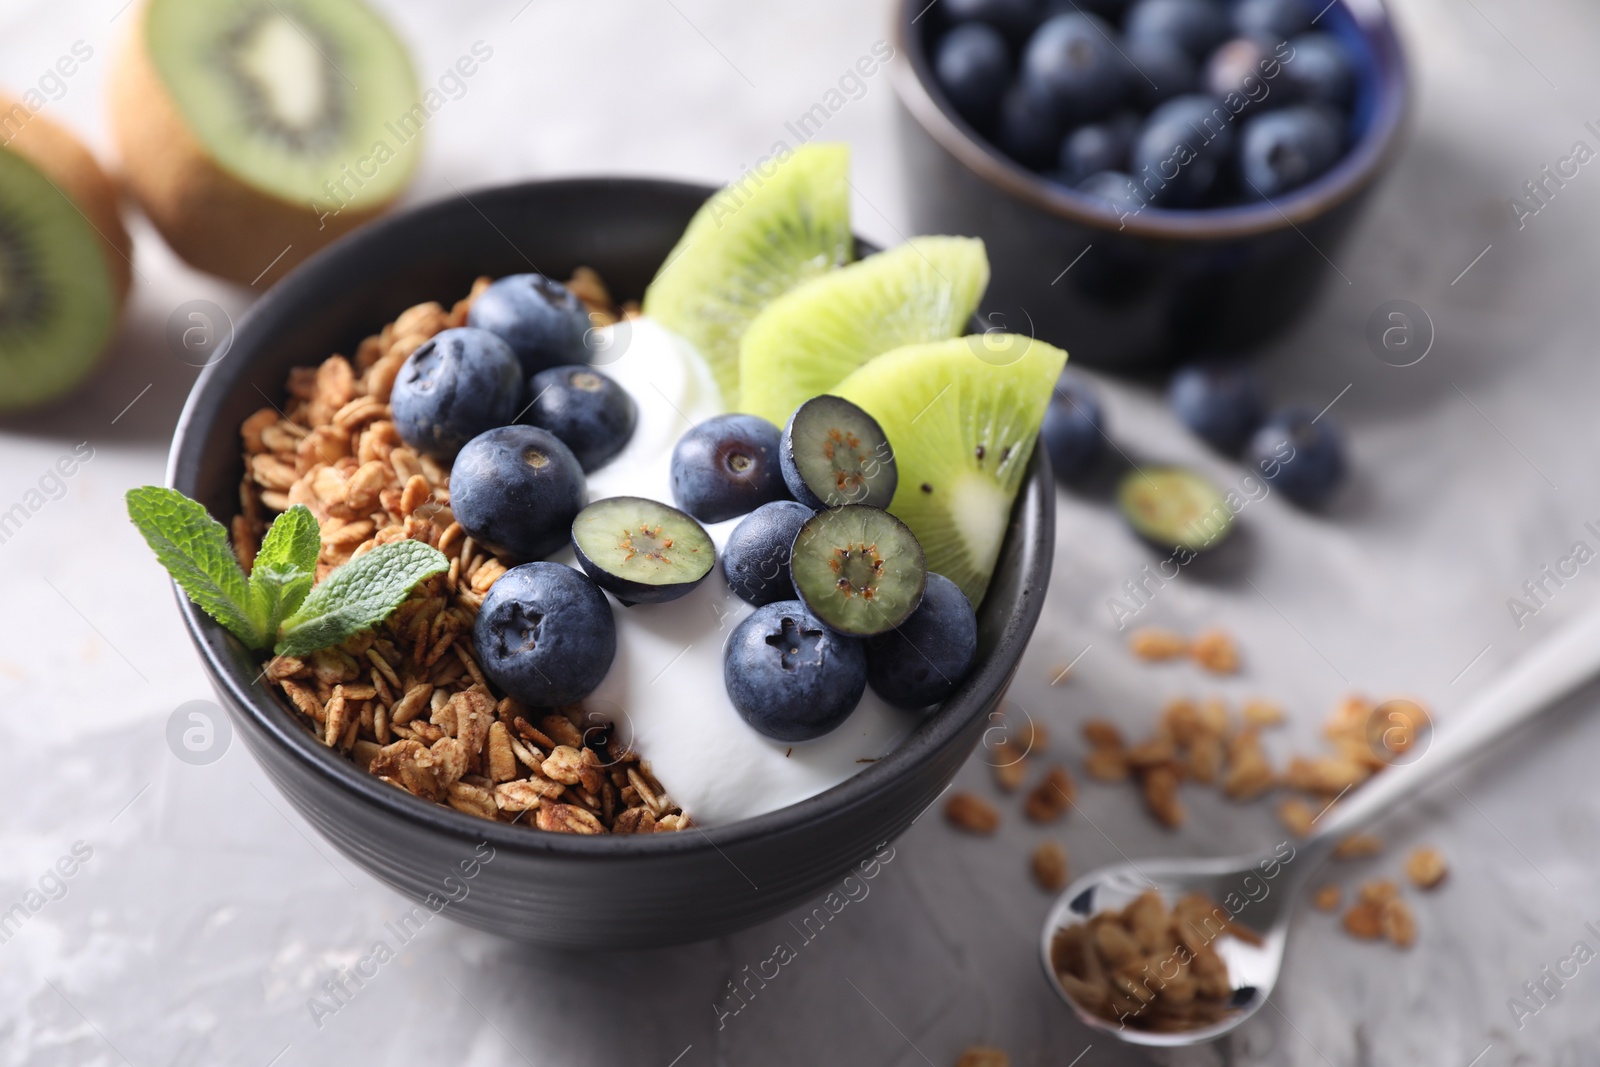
(1264, 886)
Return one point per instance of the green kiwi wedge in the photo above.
(811, 338)
(781, 224)
(833, 453)
(255, 131)
(963, 415)
(1174, 508)
(858, 569)
(64, 260)
(641, 551)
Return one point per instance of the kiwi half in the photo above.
(963, 416)
(641, 551)
(834, 453)
(810, 339)
(858, 569)
(256, 131)
(1174, 508)
(64, 266)
(751, 242)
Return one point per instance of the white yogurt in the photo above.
(665, 688)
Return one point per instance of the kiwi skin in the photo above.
(63, 159)
(214, 221)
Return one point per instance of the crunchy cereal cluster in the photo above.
(407, 700)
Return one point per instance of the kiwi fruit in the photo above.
(811, 338)
(748, 244)
(963, 415)
(64, 260)
(254, 132)
(1174, 508)
(834, 453)
(641, 551)
(858, 569)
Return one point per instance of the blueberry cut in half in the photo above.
(590, 412)
(755, 559)
(545, 634)
(1174, 508)
(834, 453)
(858, 569)
(641, 551)
(789, 676)
(516, 491)
(921, 661)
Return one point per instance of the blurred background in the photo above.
(203, 914)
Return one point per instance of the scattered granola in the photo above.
(1358, 846)
(1049, 866)
(407, 701)
(1297, 816)
(1379, 912)
(1117, 964)
(1327, 898)
(1052, 797)
(1154, 644)
(972, 813)
(1215, 651)
(980, 1056)
(1426, 867)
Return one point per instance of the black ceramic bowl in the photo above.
(1167, 283)
(557, 889)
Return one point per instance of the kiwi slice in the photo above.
(833, 453)
(859, 569)
(810, 339)
(64, 263)
(641, 551)
(254, 132)
(963, 415)
(751, 242)
(1174, 508)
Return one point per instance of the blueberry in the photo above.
(540, 319)
(1196, 26)
(923, 661)
(1301, 457)
(1110, 10)
(1271, 20)
(1073, 60)
(1282, 150)
(1028, 129)
(1320, 69)
(545, 634)
(1182, 148)
(1221, 403)
(727, 466)
(1074, 427)
(790, 677)
(1236, 67)
(1014, 18)
(456, 385)
(516, 490)
(974, 67)
(1115, 193)
(589, 412)
(1100, 146)
(756, 557)
(1161, 70)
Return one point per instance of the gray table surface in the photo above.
(207, 915)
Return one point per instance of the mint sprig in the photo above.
(278, 606)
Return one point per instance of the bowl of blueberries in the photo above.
(1153, 178)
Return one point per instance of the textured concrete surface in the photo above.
(205, 918)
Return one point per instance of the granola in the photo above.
(408, 701)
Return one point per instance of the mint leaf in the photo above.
(285, 567)
(358, 595)
(193, 547)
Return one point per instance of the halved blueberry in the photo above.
(545, 634)
(516, 491)
(727, 466)
(1173, 508)
(858, 569)
(591, 413)
(834, 453)
(641, 551)
(789, 676)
